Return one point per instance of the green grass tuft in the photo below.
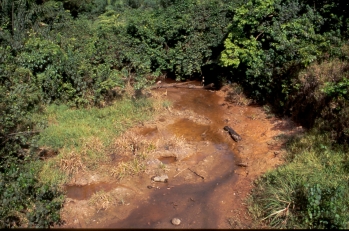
(68, 126)
(84, 137)
(309, 191)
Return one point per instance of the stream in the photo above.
(206, 188)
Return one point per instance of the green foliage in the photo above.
(324, 207)
(339, 89)
(177, 39)
(270, 41)
(25, 201)
(72, 125)
(296, 194)
(86, 53)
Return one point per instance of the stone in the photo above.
(162, 178)
(176, 221)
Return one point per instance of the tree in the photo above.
(270, 41)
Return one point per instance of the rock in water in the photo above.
(176, 221)
(236, 137)
(162, 178)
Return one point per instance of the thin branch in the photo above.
(196, 174)
(259, 35)
(28, 132)
(12, 134)
(179, 173)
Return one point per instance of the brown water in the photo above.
(206, 187)
(83, 192)
(168, 159)
(148, 131)
(195, 203)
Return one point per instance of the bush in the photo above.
(323, 207)
(269, 42)
(25, 201)
(320, 98)
(296, 194)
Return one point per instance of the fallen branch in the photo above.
(196, 174)
(182, 85)
(17, 133)
(236, 137)
(259, 35)
(179, 172)
(281, 212)
(28, 132)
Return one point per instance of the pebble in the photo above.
(163, 178)
(176, 221)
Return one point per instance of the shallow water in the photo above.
(84, 192)
(194, 203)
(206, 186)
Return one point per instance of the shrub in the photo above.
(296, 194)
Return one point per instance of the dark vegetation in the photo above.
(291, 54)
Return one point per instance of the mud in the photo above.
(84, 192)
(206, 187)
(168, 159)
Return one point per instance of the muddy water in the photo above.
(192, 204)
(168, 159)
(195, 202)
(205, 186)
(83, 192)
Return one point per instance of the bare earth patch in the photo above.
(208, 175)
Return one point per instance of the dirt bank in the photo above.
(206, 187)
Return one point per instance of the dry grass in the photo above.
(131, 143)
(236, 95)
(92, 144)
(235, 223)
(130, 168)
(159, 101)
(93, 151)
(327, 71)
(101, 200)
(85, 138)
(174, 143)
(316, 76)
(71, 163)
(129, 91)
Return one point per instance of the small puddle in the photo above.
(168, 159)
(189, 130)
(84, 192)
(201, 102)
(148, 131)
(195, 132)
(196, 158)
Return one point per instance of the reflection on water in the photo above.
(84, 192)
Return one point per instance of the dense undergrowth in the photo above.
(310, 191)
(292, 54)
(85, 138)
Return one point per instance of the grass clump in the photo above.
(236, 95)
(101, 200)
(307, 192)
(85, 137)
(131, 145)
(129, 168)
(69, 126)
